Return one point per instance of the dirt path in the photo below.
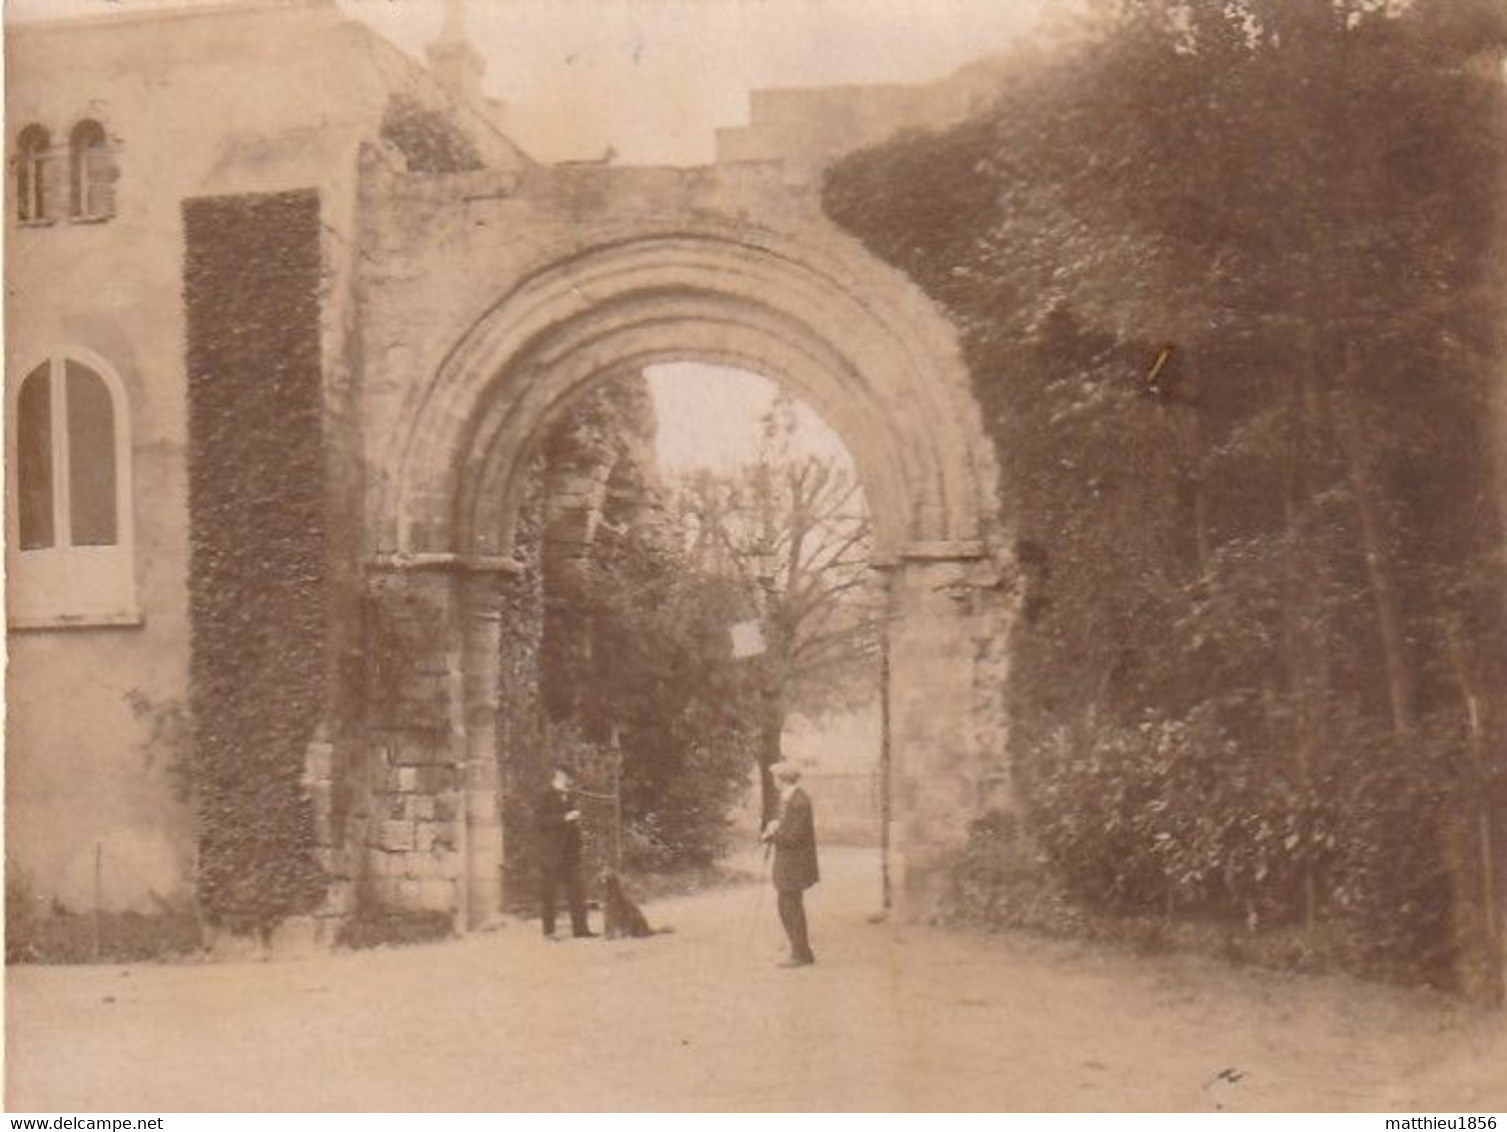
(702, 1019)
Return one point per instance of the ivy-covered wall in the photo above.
(257, 567)
(520, 754)
(426, 138)
(1256, 686)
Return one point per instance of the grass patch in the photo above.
(111, 937)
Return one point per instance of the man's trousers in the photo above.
(551, 878)
(793, 915)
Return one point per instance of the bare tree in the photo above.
(792, 531)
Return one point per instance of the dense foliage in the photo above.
(256, 570)
(426, 138)
(1229, 284)
(636, 655)
(521, 750)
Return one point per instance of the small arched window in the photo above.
(70, 474)
(35, 178)
(91, 172)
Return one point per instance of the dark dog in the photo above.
(622, 916)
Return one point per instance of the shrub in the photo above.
(1261, 617)
(395, 928)
(20, 916)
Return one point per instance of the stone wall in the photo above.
(414, 823)
(199, 100)
(948, 621)
(804, 129)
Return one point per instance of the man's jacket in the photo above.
(559, 840)
(795, 845)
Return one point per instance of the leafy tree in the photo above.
(1263, 638)
(634, 654)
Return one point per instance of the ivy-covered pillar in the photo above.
(258, 578)
(945, 716)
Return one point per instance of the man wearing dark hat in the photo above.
(793, 834)
(559, 828)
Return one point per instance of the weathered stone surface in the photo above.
(447, 862)
(319, 761)
(436, 780)
(423, 837)
(436, 895)
(446, 806)
(397, 836)
(424, 747)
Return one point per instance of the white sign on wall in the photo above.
(748, 639)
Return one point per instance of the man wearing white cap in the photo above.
(793, 834)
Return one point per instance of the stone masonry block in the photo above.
(430, 746)
(322, 794)
(338, 900)
(436, 779)
(319, 761)
(442, 864)
(397, 836)
(448, 863)
(323, 831)
(384, 890)
(422, 687)
(423, 836)
(447, 806)
(435, 895)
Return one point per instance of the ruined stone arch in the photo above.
(807, 307)
(854, 340)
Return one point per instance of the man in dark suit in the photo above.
(559, 827)
(793, 834)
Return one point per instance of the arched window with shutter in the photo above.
(91, 172)
(35, 176)
(69, 462)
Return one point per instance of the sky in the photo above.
(654, 79)
(709, 418)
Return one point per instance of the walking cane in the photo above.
(753, 919)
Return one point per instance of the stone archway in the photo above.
(844, 332)
(882, 369)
